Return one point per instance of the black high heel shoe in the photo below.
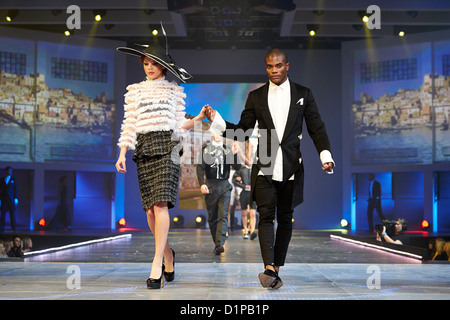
(156, 283)
(170, 276)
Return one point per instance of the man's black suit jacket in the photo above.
(376, 190)
(8, 192)
(302, 107)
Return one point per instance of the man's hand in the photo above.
(204, 189)
(210, 113)
(328, 167)
(202, 115)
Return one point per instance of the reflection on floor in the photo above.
(318, 267)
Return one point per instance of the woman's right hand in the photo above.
(120, 164)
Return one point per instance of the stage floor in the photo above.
(317, 268)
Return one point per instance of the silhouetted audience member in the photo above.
(3, 252)
(16, 248)
(27, 244)
(447, 249)
(438, 252)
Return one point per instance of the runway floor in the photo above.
(317, 268)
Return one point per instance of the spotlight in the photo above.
(99, 14)
(40, 224)
(122, 223)
(200, 221)
(178, 221)
(345, 224)
(363, 16)
(425, 224)
(12, 14)
(312, 29)
(67, 33)
(401, 33)
(154, 28)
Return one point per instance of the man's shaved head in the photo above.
(277, 66)
(277, 53)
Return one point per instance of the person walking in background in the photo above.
(213, 174)
(374, 201)
(8, 199)
(242, 180)
(62, 217)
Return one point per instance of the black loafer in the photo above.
(218, 250)
(270, 279)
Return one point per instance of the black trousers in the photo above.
(372, 204)
(8, 206)
(217, 203)
(274, 198)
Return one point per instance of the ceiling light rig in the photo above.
(99, 14)
(11, 15)
(318, 12)
(363, 16)
(312, 29)
(413, 13)
(154, 29)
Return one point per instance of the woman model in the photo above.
(154, 119)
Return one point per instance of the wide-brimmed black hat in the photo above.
(161, 56)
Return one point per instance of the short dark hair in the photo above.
(277, 52)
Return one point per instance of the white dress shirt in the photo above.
(279, 101)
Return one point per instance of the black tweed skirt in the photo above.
(158, 173)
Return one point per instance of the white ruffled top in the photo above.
(152, 105)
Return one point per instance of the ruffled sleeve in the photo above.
(128, 130)
(180, 113)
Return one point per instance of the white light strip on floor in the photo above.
(77, 244)
(412, 255)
